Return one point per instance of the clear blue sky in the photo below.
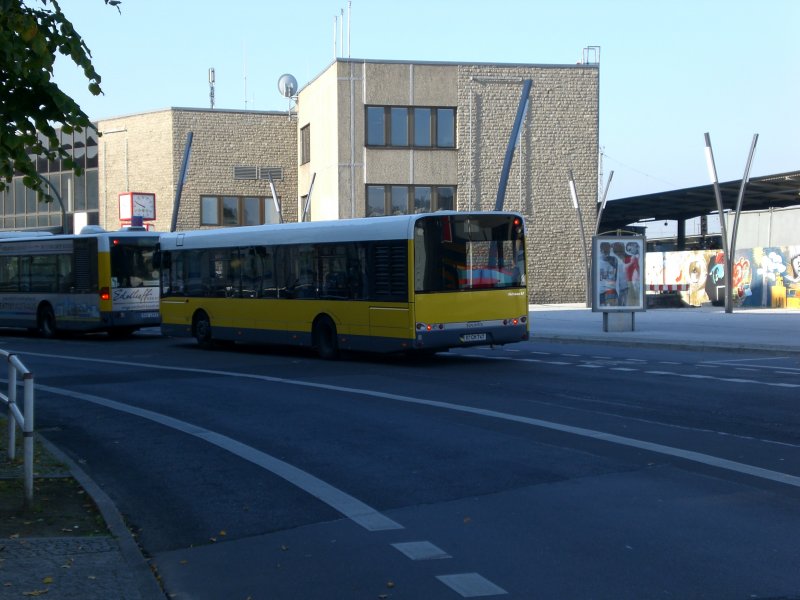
(669, 71)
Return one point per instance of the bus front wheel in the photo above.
(46, 321)
(202, 329)
(324, 339)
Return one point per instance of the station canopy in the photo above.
(761, 193)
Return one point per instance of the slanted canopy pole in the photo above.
(512, 143)
(712, 173)
(745, 179)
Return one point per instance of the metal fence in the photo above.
(23, 418)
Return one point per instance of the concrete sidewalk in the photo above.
(113, 567)
(705, 327)
(80, 567)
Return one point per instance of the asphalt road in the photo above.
(534, 471)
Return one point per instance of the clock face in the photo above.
(144, 205)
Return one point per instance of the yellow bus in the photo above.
(87, 282)
(422, 282)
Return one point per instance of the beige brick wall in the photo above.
(135, 155)
(560, 131)
(144, 153)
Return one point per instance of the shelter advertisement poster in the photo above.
(618, 273)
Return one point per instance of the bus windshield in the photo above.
(132, 262)
(468, 252)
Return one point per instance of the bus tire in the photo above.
(46, 322)
(201, 326)
(324, 338)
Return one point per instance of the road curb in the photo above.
(146, 582)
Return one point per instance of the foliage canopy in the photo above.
(32, 106)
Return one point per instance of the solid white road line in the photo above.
(689, 455)
(350, 507)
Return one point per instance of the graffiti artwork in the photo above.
(618, 273)
(761, 277)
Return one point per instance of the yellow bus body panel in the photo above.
(476, 305)
(361, 318)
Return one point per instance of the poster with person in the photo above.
(618, 273)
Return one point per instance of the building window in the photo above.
(234, 211)
(305, 145)
(399, 126)
(376, 126)
(446, 127)
(422, 127)
(376, 200)
(20, 208)
(415, 127)
(406, 199)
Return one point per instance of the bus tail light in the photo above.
(429, 326)
(515, 321)
(105, 294)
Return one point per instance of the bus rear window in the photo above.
(132, 262)
(459, 252)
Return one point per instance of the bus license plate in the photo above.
(473, 337)
(150, 315)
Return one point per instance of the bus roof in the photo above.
(39, 237)
(396, 227)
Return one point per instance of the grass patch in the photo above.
(60, 507)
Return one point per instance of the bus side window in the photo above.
(355, 272)
(9, 274)
(195, 260)
(269, 288)
(251, 274)
(65, 280)
(174, 268)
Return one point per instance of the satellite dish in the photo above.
(287, 85)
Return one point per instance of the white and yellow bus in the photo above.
(423, 282)
(93, 281)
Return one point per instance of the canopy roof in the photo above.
(770, 191)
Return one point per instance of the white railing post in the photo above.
(12, 399)
(27, 436)
(24, 418)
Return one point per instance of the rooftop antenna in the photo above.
(287, 86)
(244, 54)
(335, 29)
(211, 80)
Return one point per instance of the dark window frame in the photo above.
(240, 212)
(435, 129)
(305, 144)
(411, 205)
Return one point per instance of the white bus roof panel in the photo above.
(398, 227)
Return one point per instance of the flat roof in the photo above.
(761, 193)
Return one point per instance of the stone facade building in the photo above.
(231, 153)
(364, 138)
(359, 123)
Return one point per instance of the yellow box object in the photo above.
(778, 294)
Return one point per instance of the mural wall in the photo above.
(762, 277)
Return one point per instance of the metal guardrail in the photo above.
(23, 418)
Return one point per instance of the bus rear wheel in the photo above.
(46, 322)
(324, 338)
(202, 329)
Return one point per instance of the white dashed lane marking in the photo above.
(421, 551)
(471, 585)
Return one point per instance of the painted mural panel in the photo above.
(762, 277)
